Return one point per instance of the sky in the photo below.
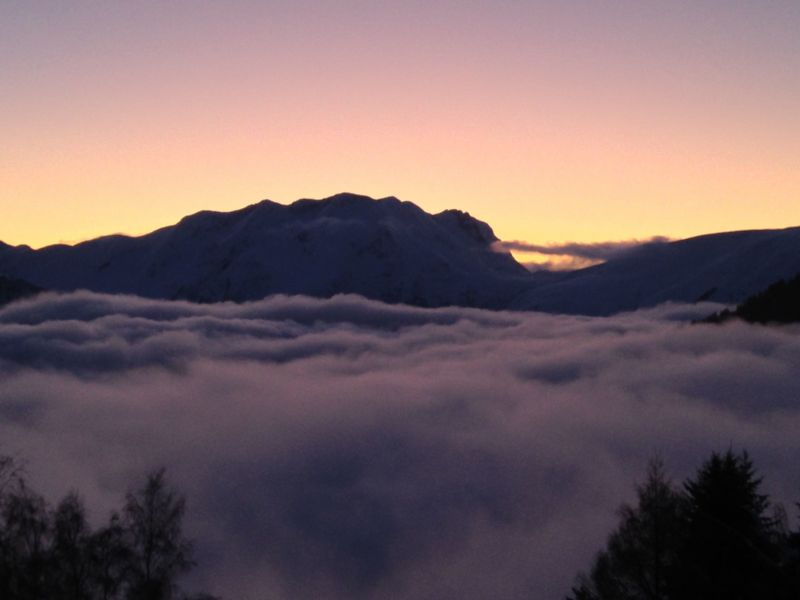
(574, 121)
(346, 448)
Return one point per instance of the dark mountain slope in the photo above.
(395, 252)
(15, 289)
(383, 249)
(723, 267)
(779, 303)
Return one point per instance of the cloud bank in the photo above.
(576, 255)
(345, 448)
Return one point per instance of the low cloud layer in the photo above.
(347, 448)
(575, 255)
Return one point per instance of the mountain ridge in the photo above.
(393, 251)
(383, 249)
(724, 267)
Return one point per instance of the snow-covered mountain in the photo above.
(723, 267)
(395, 252)
(382, 249)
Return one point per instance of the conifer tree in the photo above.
(730, 551)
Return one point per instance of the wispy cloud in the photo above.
(577, 255)
(345, 448)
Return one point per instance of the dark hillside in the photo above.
(779, 303)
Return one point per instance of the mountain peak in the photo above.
(384, 249)
(392, 250)
(349, 197)
(478, 230)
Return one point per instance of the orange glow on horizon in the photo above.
(550, 124)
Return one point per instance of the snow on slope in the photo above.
(382, 249)
(724, 267)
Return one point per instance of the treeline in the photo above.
(779, 303)
(717, 537)
(53, 553)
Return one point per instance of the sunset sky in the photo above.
(553, 121)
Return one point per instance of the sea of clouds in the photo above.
(346, 448)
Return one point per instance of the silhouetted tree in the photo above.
(791, 565)
(779, 303)
(70, 550)
(8, 558)
(714, 540)
(25, 540)
(730, 551)
(55, 555)
(640, 558)
(159, 552)
(109, 556)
